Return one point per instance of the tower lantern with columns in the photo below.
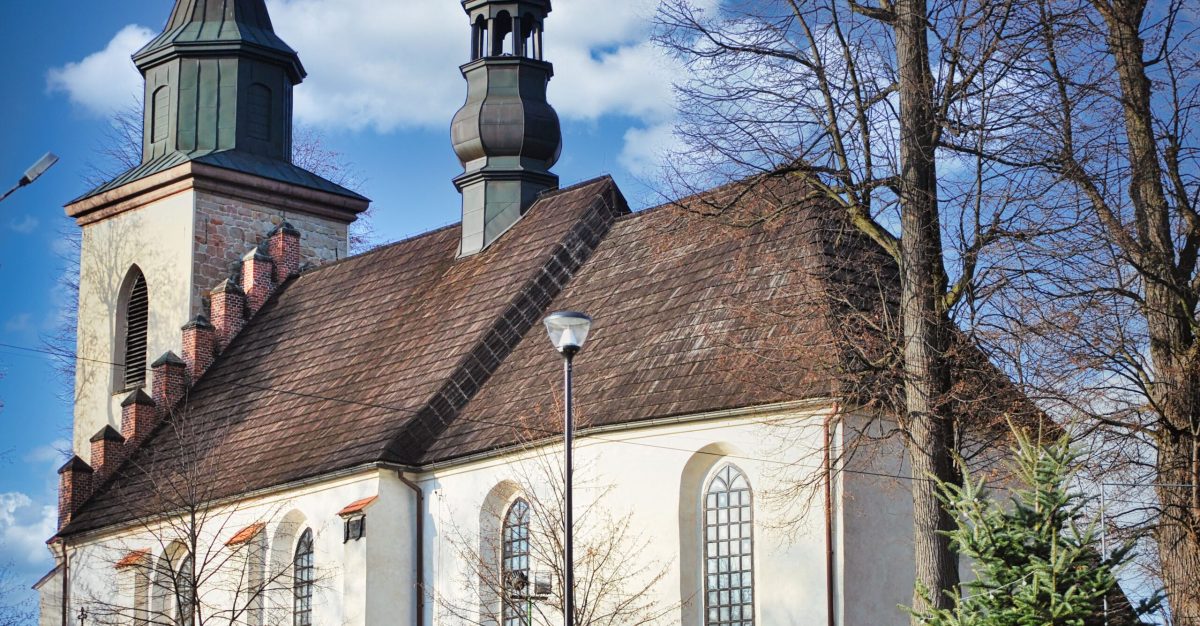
(507, 135)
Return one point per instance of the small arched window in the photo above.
(302, 580)
(259, 110)
(163, 592)
(160, 118)
(728, 549)
(133, 327)
(479, 38)
(502, 39)
(528, 47)
(514, 564)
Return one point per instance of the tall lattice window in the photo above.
(514, 564)
(729, 549)
(134, 326)
(302, 582)
(185, 593)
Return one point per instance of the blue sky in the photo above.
(383, 85)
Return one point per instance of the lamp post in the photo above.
(32, 174)
(568, 330)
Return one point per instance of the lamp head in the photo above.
(39, 168)
(568, 330)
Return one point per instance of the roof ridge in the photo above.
(391, 244)
(537, 292)
(376, 250)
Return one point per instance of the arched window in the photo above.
(514, 563)
(728, 549)
(185, 594)
(528, 47)
(479, 38)
(160, 116)
(133, 326)
(302, 580)
(259, 123)
(163, 591)
(502, 38)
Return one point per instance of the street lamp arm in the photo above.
(34, 172)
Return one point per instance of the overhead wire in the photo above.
(42, 352)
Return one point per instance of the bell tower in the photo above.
(215, 183)
(218, 78)
(506, 136)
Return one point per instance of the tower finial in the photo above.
(506, 136)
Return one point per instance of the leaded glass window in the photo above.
(185, 595)
(302, 580)
(514, 564)
(729, 549)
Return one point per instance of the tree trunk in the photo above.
(926, 323)
(1169, 313)
(1178, 530)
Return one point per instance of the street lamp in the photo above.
(568, 330)
(32, 174)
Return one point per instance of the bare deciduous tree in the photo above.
(1112, 92)
(187, 552)
(859, 102)
(613, 586)
(13, 610)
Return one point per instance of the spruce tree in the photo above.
(1036, 561)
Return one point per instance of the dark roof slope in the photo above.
(748, 295)
(362, 360)
(692, 314)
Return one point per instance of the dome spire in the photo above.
(506, 136)
(220, 26)
(218, 78)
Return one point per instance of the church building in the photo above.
(268, 430)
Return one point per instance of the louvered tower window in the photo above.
(137, 314)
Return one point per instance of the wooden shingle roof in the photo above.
(410, 356)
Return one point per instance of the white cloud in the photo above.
(53, 454)
(646, 149)
(105, 81)
(26, 225)
(24, 527)
(19, 324)
(395, 65)
(386, 66)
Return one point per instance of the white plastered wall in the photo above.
(340, 567)
(655, 474)
(874, 525)
(158, 239)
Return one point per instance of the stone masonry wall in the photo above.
(227, 228)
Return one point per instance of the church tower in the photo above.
(507, 135)
(215, 181)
